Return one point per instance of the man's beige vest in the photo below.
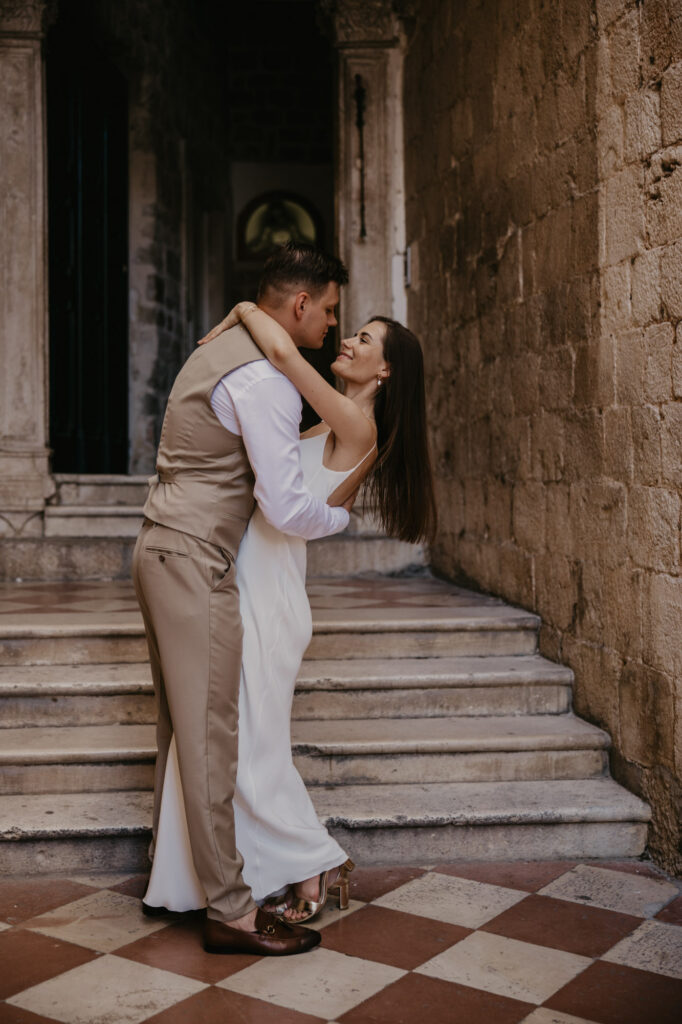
(204, 483)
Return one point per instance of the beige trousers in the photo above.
(190, 604)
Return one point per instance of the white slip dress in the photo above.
(277, 830)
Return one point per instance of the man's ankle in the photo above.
(247, 923)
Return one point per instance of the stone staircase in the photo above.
(425, 723)
(89, 533)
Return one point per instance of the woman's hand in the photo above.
(231, 320)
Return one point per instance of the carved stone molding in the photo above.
(24, 17)
(361, 22)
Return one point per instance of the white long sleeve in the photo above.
(263, 406)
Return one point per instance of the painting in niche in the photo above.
(274, 219)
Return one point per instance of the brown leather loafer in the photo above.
(272, 937)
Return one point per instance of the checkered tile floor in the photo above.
(542, 943)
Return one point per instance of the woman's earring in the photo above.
(378, 382)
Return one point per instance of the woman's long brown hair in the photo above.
(399, 489)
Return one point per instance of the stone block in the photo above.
(547, 118)
(662, 616)
(553, 260)
(658, 340)
(525, 378)
(528, 516)
(610, 141)
(671, 281)
(594, 689)
(516, 574)
(555, 585)
(584, 446)
(609, 10)
(623, 224)
(630, 351)
(671, 105)
(598, 518)
(615, 296)
(623, 44)
(584, 242)
(664, 197)
(646, 725)
(677, 363)
(576, 27)
(556, 378)
(594, 372)
(571, 100)
(498, 510)
(646, 444)
(642, 124)
(599, 69)
(618, 444)
(654, 528)
(671, 443)
(657, 42)
(622, 609)
(547, 447)
(646, 287)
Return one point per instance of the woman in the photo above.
(373, 432)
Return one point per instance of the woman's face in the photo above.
(361, 358)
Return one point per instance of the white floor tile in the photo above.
(655, 946)
(506, 967)
(104, 921)
(110, 990)
(323, 983)
(612, 890)
(452, 900)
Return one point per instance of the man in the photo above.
(230, 434)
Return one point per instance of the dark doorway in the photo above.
(87, 112)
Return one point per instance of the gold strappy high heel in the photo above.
(339, 887)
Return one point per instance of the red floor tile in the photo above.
(370, 883)
(218, 1006)
(15, 1015)
(612, 994)
(559, 924)
(21, 900)
(178, 948)
(672, 914)
(526, 875)
(391, 937)
(135, 886)
(27, 958)
(415, 998)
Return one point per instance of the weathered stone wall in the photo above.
(544, 184)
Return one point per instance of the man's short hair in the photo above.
(300, 267)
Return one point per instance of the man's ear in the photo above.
(301, 302)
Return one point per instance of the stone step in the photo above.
(117, 757)
(420, 750)
(98, 489)
(431, 687)
(347, 554)
(484, 629)
(387, 824)
(92, 521)
(71, 551)
(59, 695)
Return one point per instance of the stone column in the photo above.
(24, 457)
(370, 42)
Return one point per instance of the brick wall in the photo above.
(544, 183)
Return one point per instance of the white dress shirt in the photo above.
(260, 404)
